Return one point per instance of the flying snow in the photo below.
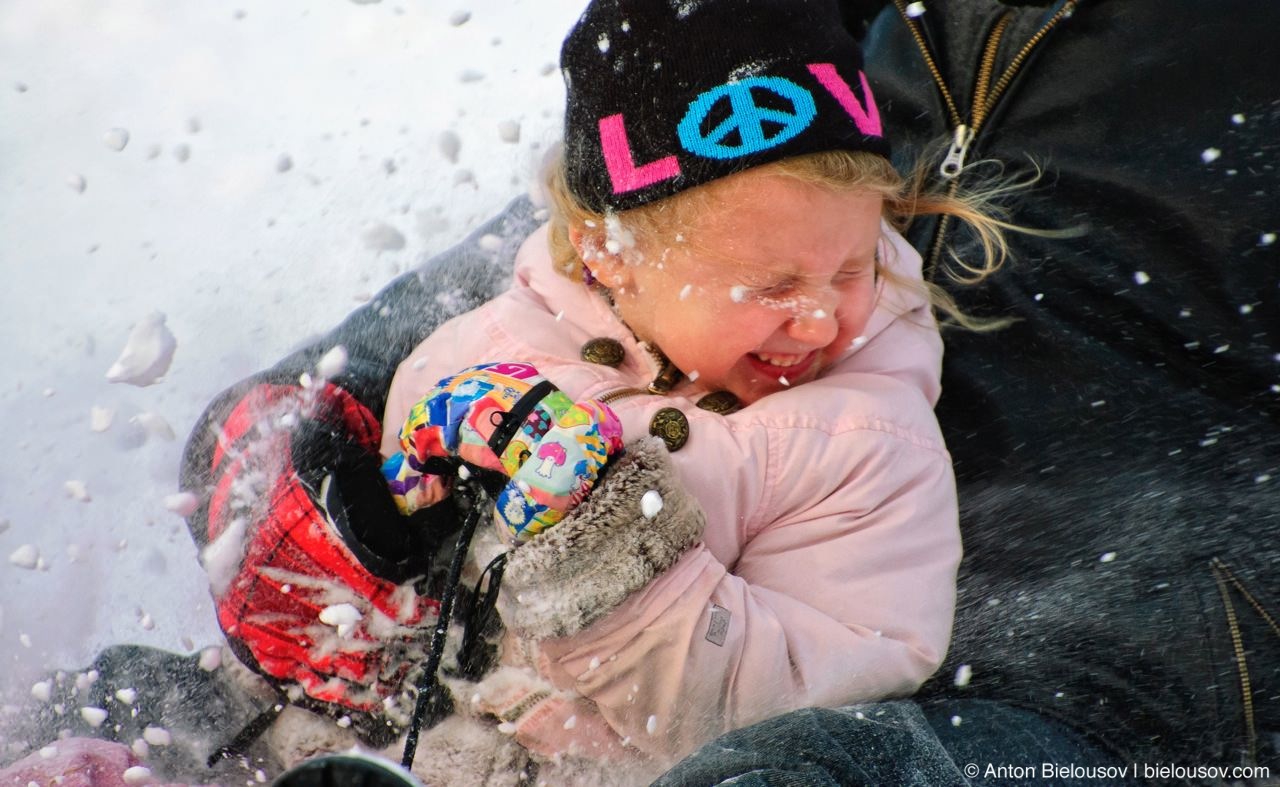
(147, 353)
(116, 139)
(26, 556)
(1210, 155)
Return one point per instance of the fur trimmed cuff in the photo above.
(606, 549)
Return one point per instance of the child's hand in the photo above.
(505, 417)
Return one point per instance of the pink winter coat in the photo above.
(825, 572)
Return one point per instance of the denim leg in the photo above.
(875, 744)
(1006, 745)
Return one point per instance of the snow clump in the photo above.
(100, 418)
(964, 673)
(651, 504)
(116, 139)
(136, 774)
(26, 556)
(333, 363)
(343, 617)
(182, 503)
(459, 18)
(1210, 155)
(383, 237)
(915, 10)
(76, 490)
(147, 353)
(93, 716)
(509, 131)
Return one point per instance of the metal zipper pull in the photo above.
(954, 162)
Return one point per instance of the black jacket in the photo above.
(1118, 449)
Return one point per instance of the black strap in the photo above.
(471, 661)
(511, 420)
(251, 732)
(430, 698)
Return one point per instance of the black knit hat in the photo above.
(665, 95)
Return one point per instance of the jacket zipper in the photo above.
(621, 393)
(985, 98)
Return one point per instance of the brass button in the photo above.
(671, 425)
(720, 402)
(604, 351)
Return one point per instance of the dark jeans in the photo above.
(955, 742)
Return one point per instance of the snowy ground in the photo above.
(283, 161)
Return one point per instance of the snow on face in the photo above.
(774, 282)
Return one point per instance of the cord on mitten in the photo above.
(508, 419)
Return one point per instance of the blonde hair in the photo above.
(839, 170)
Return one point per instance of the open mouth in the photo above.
(779, 365)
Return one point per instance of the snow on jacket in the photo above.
(824, 574)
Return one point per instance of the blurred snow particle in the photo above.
(469, 75)
(284, 163)
(490, 243)
(651, 726)
(459, 18)
(333, 363)
(1141, 277)
(49, 752)
(193, 125)
(1237, 119)
(603, 42)
(1210, 155)
(26, 556)
(147, 353)
(915, 10)
(42, 690)
(76, 490)
(210, 659)
(116, 139)
(956, 721)
(1107, 557)
(547, 69)
(21, 87)
(154, 152)
(24, 640)
(738, 293)
(182, 153)
(509, 131)
(571, 722)
(147, 622)
(136, 774)
(100, 418)
(684, 291)
(463, 176)
(155, 425)
(1262, 478)
(93, 716)
(344, 722)
(157, 736)
(383, 237)
(127, 696)
(964, 674)
(182, 503)
(4, 524)
(450, 143)
(1266, 239)
(651, 504)
(77, 183)
(785, 382)
(507, 728)
(140, 748)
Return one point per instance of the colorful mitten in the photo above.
(508, 418)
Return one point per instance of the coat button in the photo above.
(671, 425)
(604, 351)
(720, 402)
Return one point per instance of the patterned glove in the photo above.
(508, 418)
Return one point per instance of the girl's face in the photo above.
(765, 288)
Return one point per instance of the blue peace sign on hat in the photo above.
(746, 117)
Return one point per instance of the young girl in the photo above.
(706, 396)
(720, 270)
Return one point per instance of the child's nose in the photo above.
(816, 327)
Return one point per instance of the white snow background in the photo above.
(202, 217)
